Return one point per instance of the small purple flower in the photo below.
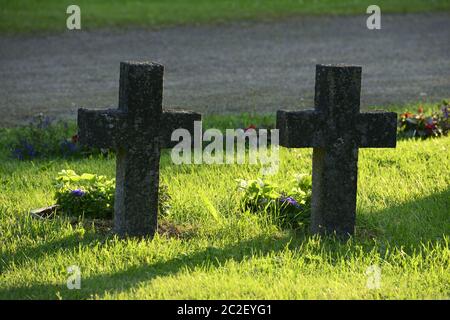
(25, 150)
(68, 148)
(77, 193)
(30, 150)
(290, 201)
(72, 147)
(44, 122)
(445, 112)
(18, 153)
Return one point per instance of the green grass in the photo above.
(221, 252)
(50, 15)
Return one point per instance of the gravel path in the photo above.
(228, 68)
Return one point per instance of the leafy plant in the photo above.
(92, 195)
(422, 126)
(88, 194)
(286, 208)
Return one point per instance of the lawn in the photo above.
(25, 16)
(216, 250)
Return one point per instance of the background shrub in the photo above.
(421, 125)
(45, 138)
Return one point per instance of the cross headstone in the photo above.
(336, 129)
(136, 130)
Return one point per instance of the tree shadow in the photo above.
(410, 223)
(22, 255)
(404, 231)
(132, 276)
(102, 234)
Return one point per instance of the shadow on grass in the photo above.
(129, 278)
(414, 225)
(410, 223)
(21, 256)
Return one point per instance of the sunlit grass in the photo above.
(50, 15)
(403, 224)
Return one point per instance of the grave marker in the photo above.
(336, 129)
(136, 130)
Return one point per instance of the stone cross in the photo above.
(336, 129)
(136, 130)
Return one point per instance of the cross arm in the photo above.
(100, 128)
(377, 129)
(299, 129)
(176, 119)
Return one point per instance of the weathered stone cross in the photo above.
(137, 130)
(336, 129)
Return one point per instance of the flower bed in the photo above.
(420, 125)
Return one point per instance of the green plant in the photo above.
(286, 208)
(92, 195)
(88, 194)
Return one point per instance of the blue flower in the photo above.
(445, 112)
(24, 150)
(68, 148)
(18, 153)
(44, 122)
(290, 201)
(31, 152)
(77, 193)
